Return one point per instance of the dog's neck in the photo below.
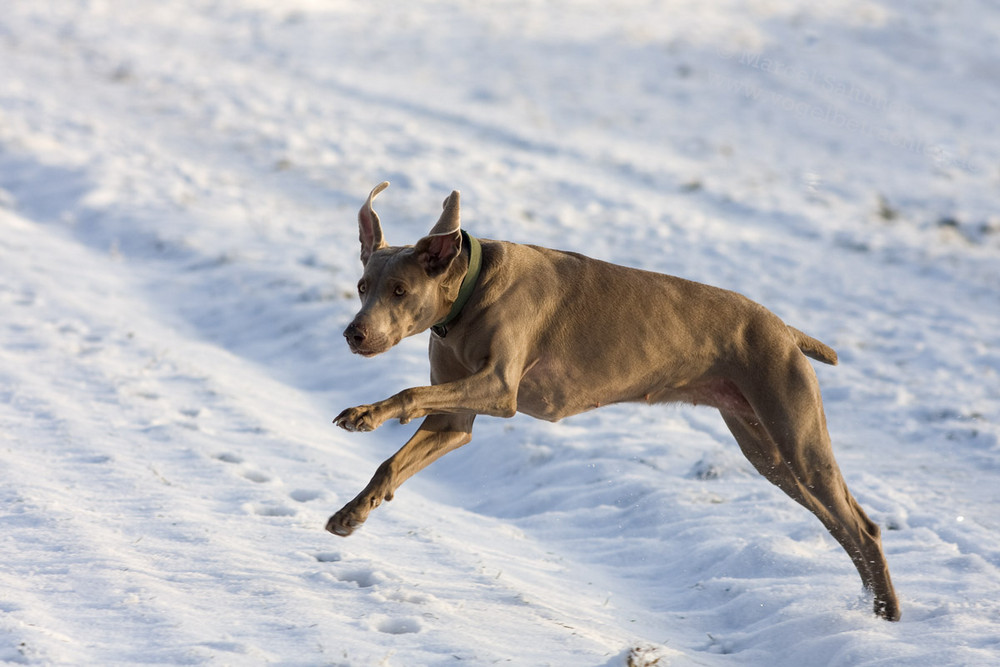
(468, 284)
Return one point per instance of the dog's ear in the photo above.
(441, 246)
(369, 227)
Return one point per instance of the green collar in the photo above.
(468, 284)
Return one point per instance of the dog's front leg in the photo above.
(486, 392)
(438, 435)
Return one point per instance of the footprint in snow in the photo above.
(94, 458)
(256, 476)
(304, 495)
(327, 557)
(363, 578)
(368, 578)
(399, 626)
(263, 509)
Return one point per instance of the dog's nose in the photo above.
(355, 334)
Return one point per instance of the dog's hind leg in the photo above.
(437, 435)
(787, 441)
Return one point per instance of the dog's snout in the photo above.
(366, 340)
(356, 334)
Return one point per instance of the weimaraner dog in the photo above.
(520, 328)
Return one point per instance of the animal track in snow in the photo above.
(94, 458)
(304, 495)
(363, 578)
(250, 474)
(376, 581)
(256, 476)
(265, 509)
(399, 626)
(327, 557)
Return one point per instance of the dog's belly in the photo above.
(549, 393)
(714, 392)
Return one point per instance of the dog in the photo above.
(550, 334)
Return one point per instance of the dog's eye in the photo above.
(399, 291)
(361, 288)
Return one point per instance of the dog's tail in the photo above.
(813, 348)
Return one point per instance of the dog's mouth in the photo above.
(365, 350)
(370, 348)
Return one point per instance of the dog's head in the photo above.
(404, 290)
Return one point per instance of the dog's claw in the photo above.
(360, 418)
(341, 524)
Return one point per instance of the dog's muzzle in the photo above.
(363, 342)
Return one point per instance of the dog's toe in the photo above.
(360, 418)
(340, 525)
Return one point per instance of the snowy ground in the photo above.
(178, 189)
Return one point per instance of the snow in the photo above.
(178, 190)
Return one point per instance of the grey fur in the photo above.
(551, 334)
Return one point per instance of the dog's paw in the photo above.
(343, 523)
(354, 513)
(351, 515)
(361, 418)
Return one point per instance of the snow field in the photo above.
(178, 189)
